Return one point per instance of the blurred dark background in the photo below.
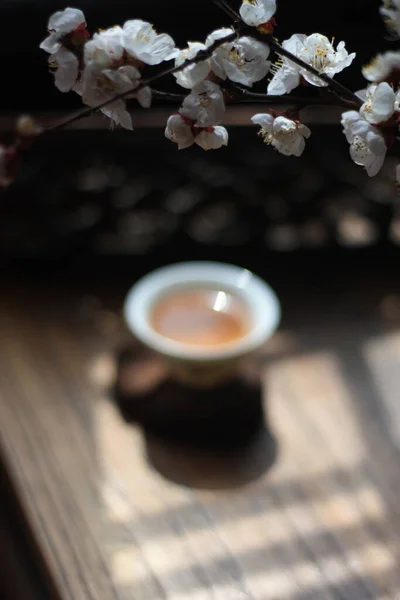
(90, 194)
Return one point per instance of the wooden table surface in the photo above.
(110, 524)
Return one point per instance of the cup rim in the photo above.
(259, 297)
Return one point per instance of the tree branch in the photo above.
(239, 95)
(340, 89)
(200, 56)
(345, 98)
(168, 96)
(224, 6)
(242, 94)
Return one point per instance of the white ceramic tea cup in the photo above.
(203, 364)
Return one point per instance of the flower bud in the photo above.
(27, 127)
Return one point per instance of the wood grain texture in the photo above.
(322, 524)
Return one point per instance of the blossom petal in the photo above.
(295, 43)
(243, 61)
(379, 106)
(52, 43)
(221, 54)
(118, 114)
(286, 79)
(362, 94)
(67, 72)
(66, 20)
(304, 130)
(162, 48)
(205, 105)
(362, 156)
(195, 73)
(179, 132)
(143, 43)
(105, 48)
(264, 120)
(392, 17)
(120, 80)
(376, 141)
(212, 140)
(144, 97)
(381, 66)
(284, 134)
(287, 137)
(218, 34)
(292, 146)
(367, 144)
(257, 12)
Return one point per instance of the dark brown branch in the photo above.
(224, 6)
(168, 96)
(239, 95)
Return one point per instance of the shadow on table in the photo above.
(215, 438)
(211, 469)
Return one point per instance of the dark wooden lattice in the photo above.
(132, 194)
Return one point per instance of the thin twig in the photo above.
(241, 94)
(168, 96)
(224, 6)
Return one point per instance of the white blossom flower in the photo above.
(242, 61)
(105, 49)
(284, 134)
(183, 132)
(60, 25)
(179, 131)
(391, 13)
(380, 103)
(101, 85)
(257, 12)
(195, 73)
(105, 75)
(315, 50)
(143, 43)
(382, 67)
(320, 53)
(27, 127)
(212, 138)
(205, 104)
(367, 144)
(66, 68)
